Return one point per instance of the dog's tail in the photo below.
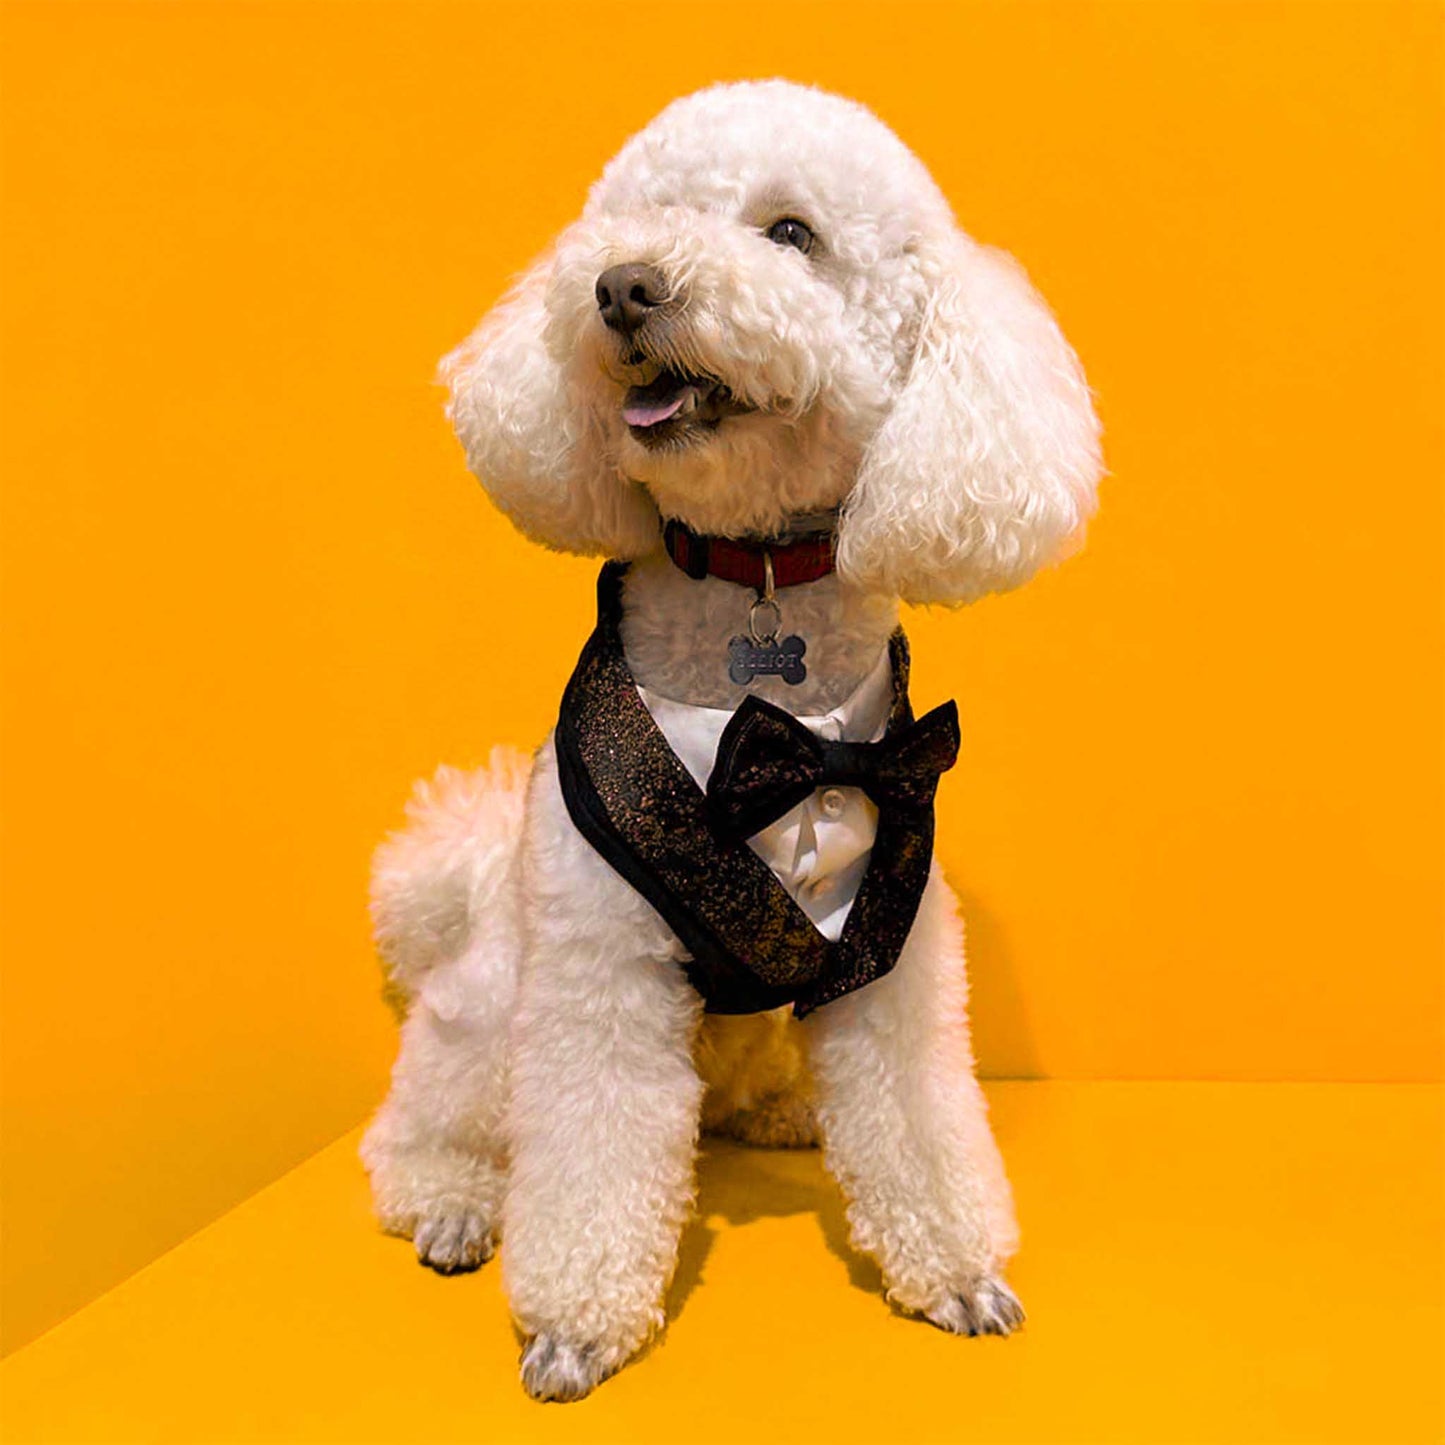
(444, 899)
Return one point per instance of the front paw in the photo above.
(454, 1240)
(552, 1369)
(986, 1307)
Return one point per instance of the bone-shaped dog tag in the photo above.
(760, 653)
(769, 657)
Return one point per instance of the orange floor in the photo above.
(1203, 1262)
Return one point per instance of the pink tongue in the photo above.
(649, 413)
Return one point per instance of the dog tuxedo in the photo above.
(788, 855)
(818, 848)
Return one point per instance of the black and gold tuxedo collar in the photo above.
(685, 851)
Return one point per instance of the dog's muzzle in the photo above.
(675, 405)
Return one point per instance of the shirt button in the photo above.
(832, 802)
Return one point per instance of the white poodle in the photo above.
(765, 317)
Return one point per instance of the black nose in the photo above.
(625, 294)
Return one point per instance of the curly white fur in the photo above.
(554, 1061)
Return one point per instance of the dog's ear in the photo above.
(538, 451)
(986, 466)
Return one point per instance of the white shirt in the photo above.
(818, 850)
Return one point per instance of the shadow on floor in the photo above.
(742, 1185)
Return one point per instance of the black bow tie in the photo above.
(768, 762)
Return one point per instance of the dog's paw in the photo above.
(987, 1307)
(555, 1370)
(454, 1240)
(783, 1121)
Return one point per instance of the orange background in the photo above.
(250, 592)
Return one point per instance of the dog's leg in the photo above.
(604, 1112)
(434, 1150)
(448, 923)
(905, 1132)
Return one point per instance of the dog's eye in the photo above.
(791, 232)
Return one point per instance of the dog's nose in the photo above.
(625, 294)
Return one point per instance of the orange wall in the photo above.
(249, 591)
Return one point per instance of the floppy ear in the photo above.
(985, 468)
(534, 443)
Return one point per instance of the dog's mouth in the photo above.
(675, 407)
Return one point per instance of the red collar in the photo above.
(795, 559)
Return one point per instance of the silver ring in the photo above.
(764, 637)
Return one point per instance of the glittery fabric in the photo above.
(752, 948)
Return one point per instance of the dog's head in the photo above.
(766, 311)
